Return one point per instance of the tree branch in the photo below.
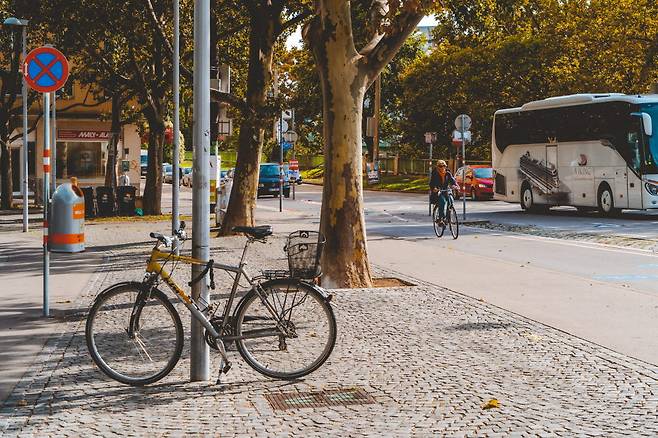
(231, 99)
(295, 21)
(381, 52)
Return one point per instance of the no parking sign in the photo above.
(46, 69)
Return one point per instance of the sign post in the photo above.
(430, 137)
(46, 70)
(293, 165)
(463, 124)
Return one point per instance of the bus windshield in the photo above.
(651, 148)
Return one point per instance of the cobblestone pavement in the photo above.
(605, 239)
(430, 358)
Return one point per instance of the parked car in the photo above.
(268, 180)
(143, 161)
(478, 182)
(167, 172)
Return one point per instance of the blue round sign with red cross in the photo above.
(46, 69)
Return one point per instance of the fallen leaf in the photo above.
(493, 403)
(21, 402)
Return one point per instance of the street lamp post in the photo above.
(175, 224)
(12, 21)
(199, 354)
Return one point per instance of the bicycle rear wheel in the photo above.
(155, 345)
(454, 222)
(438, 228)
(302, 341)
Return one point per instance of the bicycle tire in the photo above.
(255, 350)
(453, 222)
(438, 229)
(102, 345)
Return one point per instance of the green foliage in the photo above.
(494, 54)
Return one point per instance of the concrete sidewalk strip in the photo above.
(23, 330)
(429, 358)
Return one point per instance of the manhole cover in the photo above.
(330, 397)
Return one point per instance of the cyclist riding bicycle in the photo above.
(440, 181)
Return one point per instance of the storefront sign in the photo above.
(68, 134)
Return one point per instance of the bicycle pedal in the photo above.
(226, 368)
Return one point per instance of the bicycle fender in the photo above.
(323, 293)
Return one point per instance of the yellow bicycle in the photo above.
(283, 326)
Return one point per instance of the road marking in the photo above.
(589, 245)
(625, 277)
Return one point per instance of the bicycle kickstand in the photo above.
(224, 363)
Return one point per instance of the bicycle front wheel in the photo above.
(137, 355)
(294, 343)
(454, 222)
(438, 228)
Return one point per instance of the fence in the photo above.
(387, 165)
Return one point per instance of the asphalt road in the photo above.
(605, 294)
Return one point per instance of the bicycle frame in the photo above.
(156, 269)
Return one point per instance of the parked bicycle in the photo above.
(283, 326)
(450, 220)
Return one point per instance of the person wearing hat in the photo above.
(441, 179)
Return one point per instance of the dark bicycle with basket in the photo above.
(283, 326)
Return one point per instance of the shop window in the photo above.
(83, 159)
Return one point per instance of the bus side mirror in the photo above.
(648, 126)
(646, 123)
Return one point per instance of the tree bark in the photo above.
(5, 169)
(112, 147)
(345, 75)
(342, 221)
(242, 202)
(153, 188)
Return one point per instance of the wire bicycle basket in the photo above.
(304, 249)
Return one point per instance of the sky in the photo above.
(295, 40)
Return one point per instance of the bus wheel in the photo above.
(606, 201)
(527, 200)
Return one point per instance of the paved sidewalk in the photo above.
(430, 358)
(23, 330)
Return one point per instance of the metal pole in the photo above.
(175, 213)
(54, 144)
(199, 355)
(377, 110)
(280, 162)
(463, 166)
(430, 175)
(24, 155)
(46, 200)
(294, 157)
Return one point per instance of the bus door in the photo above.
(635, 140)
(621, 187)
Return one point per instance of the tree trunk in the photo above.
(342, 222)
(112, 147)
(5, 175)
(153, 188)
(242, 202)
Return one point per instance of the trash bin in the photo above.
(67, 220)
(90, 205)
(126, 200)
(105, 201)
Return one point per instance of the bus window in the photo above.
(634, 160)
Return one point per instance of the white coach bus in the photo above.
(590, 151)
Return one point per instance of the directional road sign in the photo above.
(46, 69)
(466, 122)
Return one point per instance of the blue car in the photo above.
(268, 180)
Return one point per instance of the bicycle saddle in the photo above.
(255, 232)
